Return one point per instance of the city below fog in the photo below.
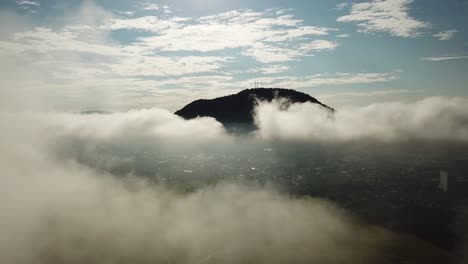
(399, 186)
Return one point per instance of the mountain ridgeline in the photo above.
(235, 111)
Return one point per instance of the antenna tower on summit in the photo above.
(256, 84)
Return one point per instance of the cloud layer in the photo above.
(58, 209)
(57, 213)
(431, 119)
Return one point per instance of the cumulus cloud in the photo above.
(432, 119)
(390, 16)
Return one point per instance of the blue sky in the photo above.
(120, 55)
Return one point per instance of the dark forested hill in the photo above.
(235, 111)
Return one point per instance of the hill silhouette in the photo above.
(235, 111)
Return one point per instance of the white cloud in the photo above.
(74, 65)
(260, 34)
(390, 16)
(81, 59)
(150, 6)
(342, 6)
(343, 36)
(126, 13)
(361, 98)
(166, 66)
(61, 65)
(122, 60)
(320, 45)
(30, 3)
(155, 123)
(445, 58)
(388, 122)
(271, 69)
(147, 23)
(29, 6)
(349, 78)
(266, 53)
(446, 34)
(167, 9)
(369, 93)
(45, 40)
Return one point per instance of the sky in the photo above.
(119, 55)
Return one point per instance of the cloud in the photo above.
(390, 16)
(343, 36)
(364, 98)
(147, 23)
(166, 66)
(64, 67)
(320, 45)
(68, 64)
(57, 206)
(29, 6)
(167, 10)
(78, 67)
(45, 41)
(342, 6)
(446, 34)
(101, 141)
(117, 59)
(126, 13)
(157, 123)
(369, 93)
(150, 6)
(30, 3)
(265, 53)
(258, 33)
(432, 119)
(271, 69)
(445, 58)
(60, 207)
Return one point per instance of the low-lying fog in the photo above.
(146, 186)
